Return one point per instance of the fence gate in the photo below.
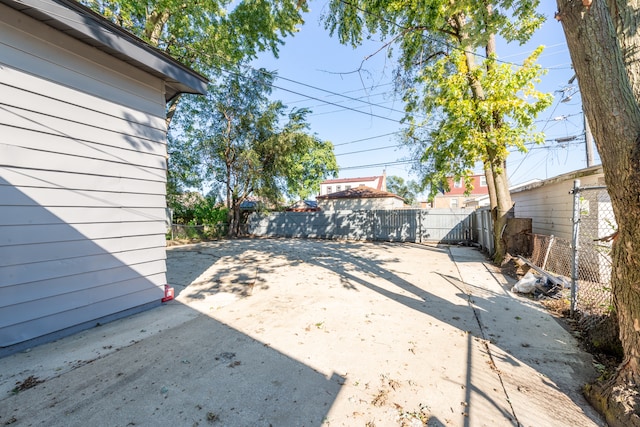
(446, 225)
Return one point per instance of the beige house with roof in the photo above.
(340, 184)
(360, 198)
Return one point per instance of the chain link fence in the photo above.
(595, 234)
(198, 232)
(552, 254)
(586, 260)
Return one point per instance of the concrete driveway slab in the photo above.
(284, 332)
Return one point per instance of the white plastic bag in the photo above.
(526, 285)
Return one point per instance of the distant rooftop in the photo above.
(359, 193)
(341, 180)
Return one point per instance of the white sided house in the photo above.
(82, 170)
(360, 198)
(340, 184)
(549, 202)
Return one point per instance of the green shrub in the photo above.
(196, 217)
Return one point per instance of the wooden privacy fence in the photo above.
(400, 225)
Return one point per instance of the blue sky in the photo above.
(355, 108)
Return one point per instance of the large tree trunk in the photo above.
(604, 43)
(501, 202)
(234, 220)
(488, 174)
(503, 206)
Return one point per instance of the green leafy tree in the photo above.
(408, 191)
(206, 35)
(250, 146)
(604, 43)
(461, 107)
(193, 208)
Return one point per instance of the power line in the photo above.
(357, 90)
(368, 150)
(326, 90)
(367, 139)
(349, 98)
(338, 105)
(317, 99)
(374, 165)
(380, 105)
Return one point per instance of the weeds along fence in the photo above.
(586, 259)
(201, 232)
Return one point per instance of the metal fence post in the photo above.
(546, 254)
(574, 243)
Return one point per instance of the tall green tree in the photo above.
(250, 145)
(463, 106)
(604, 43)
(407, 190)
(206, 35)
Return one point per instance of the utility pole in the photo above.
(588, 140)
(588, 136)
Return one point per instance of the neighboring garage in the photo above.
(82, 170)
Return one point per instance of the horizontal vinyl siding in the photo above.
(69, 267)
(39, 252)
(49, 233)
(32, 196)
(19, 332)
(82, 183)
(77, 140)
(26, 92)
(43, 51)
(29, 158)
(550, 206)
(60, 294)
(33, 215)
(42, 178)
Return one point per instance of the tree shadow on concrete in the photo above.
(350, 261)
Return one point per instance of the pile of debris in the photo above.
(539, 283)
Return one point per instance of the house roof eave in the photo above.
(593, 170)
(87, 26)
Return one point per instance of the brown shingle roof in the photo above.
(359, 193)
(341, 180)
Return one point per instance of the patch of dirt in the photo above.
(512, 267)
(560, 307)
(28, 383)
(181, 242)
(380, 398)
(619, 404)
(601, 335)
